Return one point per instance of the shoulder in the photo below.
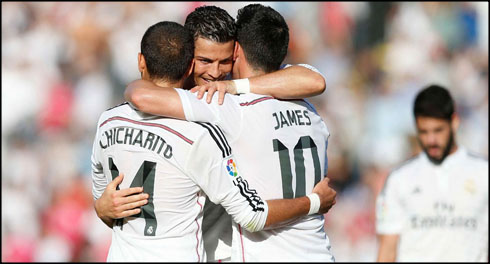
(211, 137)
(118, 110)
(409, 164)
(476, 158)
(475, 162)
(401, 172)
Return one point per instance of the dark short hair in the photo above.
(168, 49)
(434, 101)
(211, 22)
(264, 36)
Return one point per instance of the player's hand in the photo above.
(222, 87)
(116, 204)
(327, 195)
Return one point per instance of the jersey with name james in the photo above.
(281, 146)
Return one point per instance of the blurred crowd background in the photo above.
(63, 64)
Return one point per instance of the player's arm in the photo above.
(99, 181)
(114, 204)
(390, 218)
(388, 245)
(181, 104)
(216, 173)
(282, 210)
(150, 98)
(294, 82)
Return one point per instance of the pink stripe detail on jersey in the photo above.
(197, 233)
(241, 239)
(258, 100)
(148, 124)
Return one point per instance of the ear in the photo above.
(455, 122)
(236, 49)
(141, 63)
(190, 70)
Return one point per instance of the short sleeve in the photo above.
(390, 215)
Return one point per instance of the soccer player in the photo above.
(177, 163)
(281, 143)
(214, 32)
(434, 207)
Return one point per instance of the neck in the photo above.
(248, 72)
(453, 149)
(165, 83)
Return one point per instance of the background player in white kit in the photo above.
(214, 32)
(284, 141)
(175, 161)
(434, 207)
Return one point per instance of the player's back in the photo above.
(281, 148)
(152, 152)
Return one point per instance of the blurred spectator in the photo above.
(63, 63)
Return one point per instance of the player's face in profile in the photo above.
(436, 137)
(213, 60)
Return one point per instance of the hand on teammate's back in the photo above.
(327, 195)
(222, 87)
(120, 203)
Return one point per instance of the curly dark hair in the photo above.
(211, 22)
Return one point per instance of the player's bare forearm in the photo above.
(281, 211)
(284, 210)
(152, 99)
(388, 245)
(294, 82)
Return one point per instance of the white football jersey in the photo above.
(177, 163)
(281, 146)
(440, 212)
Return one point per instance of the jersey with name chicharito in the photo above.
(179, 164)
(439, 211)
(281, 146)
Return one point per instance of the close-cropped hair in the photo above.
(168, 48)
(264, 36)
(211, 22)
(434, 101)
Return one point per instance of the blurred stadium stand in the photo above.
(65, 63)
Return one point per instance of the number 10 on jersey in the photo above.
(304, 142)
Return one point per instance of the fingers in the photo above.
(133, 205)
(129, 191)
(211, 92)
(221, 97)
(194, 89)
(211, 88)
(128, 213)
(134, 198)
(130, 205)
(201, 91)
(114, 183)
